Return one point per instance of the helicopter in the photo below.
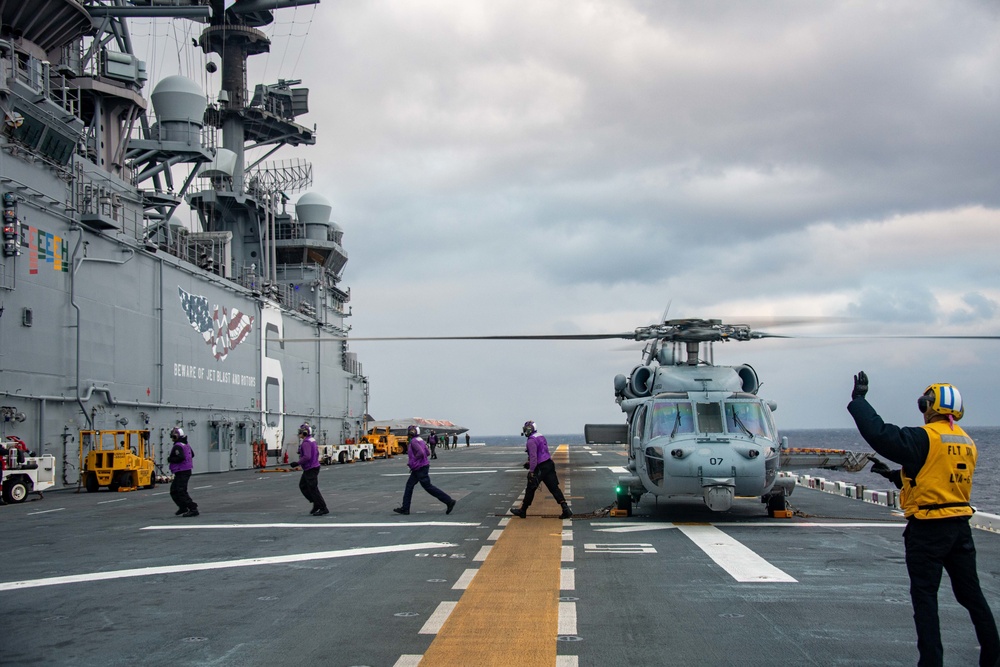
(693, 429)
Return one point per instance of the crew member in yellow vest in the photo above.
(938, 461)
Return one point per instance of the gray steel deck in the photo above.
(361, 585)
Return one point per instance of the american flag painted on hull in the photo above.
(223, 329)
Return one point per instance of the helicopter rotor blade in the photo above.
(665, 332)
(900, 337)
(598, 336)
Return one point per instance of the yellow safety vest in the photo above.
(943, 486)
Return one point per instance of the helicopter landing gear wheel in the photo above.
(625, 502)
(776, 505)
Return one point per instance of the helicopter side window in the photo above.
(639, 423)
(671, 418)
(746, 418)
(709, 418)
(770, 423)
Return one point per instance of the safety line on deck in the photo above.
(218, 565)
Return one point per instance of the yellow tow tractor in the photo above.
(119, 460)
(385, 444)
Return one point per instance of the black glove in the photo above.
(527, 465)
(880, 468)
(860, 386)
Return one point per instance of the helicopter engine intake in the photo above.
(641, 380)
(749, 378)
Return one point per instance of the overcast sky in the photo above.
(576, 166)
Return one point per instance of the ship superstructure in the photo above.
(113, 312)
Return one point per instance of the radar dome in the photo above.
(177, 98)
(223, 164)
(313, 210)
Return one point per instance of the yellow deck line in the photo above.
(509, 614)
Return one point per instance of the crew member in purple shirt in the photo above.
(181, 460)
(417, 454)
(541, 469)
(309, 462)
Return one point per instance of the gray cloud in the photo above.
(546, 167)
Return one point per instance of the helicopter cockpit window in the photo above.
(639, 423)
(746, 418)
(671, 418)
(709, 418)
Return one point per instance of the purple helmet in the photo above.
(177, 433)
(412, 430)
(305, 430)
(528, 428)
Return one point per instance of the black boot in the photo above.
(567, 512)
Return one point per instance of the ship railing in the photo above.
(40, 77)
(304, 299)
(207, 250)
(101, 204)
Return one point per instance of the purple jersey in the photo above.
(417, 453)
(308, 453)
(187, 462)
(538, 451)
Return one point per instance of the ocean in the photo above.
(985, 486)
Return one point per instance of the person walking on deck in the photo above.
(419, 465)
(541, 470)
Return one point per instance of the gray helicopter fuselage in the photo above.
(699, 432)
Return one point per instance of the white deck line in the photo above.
(567, 618)
(438, 618)
(218, 565)
(734, 557)
(466, 579)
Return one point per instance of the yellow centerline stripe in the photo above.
(509, 614)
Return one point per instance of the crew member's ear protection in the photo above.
(925, 402)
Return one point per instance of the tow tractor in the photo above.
(119, 460)
(349, 452)
(386, 444)
(21, 473)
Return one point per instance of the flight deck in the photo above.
(116, 579)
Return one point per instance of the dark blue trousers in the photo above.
(933, 545)
(179, 491)
(422, 477)
(545, 473)
(309, 486)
